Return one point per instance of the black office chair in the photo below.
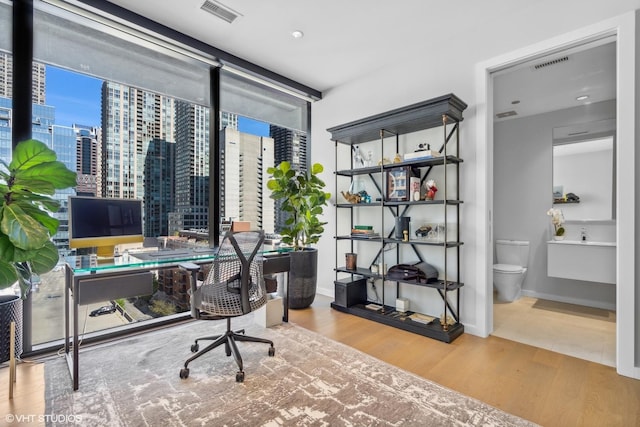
(233, 287)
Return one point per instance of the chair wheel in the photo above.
(272, 351)
(184, 373)
(195, 348)
(239, 377)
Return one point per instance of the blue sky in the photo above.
(77, 100)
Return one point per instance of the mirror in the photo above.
(584, 173)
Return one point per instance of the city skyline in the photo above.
(76, 98)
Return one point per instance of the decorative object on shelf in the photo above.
(402, 225)
(557, 220)
(350, 197)
(402, 182)
(303, 198)
(358, 158)
(384, 161)
(397, 158)
(572, 198)
(368, 162)
(431, 189)
(423, 231)
(351, 261)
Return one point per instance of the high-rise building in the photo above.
(6, 79)
(290, 146)
(243, 174)
(64, 142)
(131, 120)
(159, 188)
(88, 155)
(191, 168)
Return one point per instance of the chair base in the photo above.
(229, 339)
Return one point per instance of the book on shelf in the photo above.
(363, 227)
(365, 234)
(421, 155)
(421, 318)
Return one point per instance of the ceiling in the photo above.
(347, 39)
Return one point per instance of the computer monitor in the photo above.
(104, 223)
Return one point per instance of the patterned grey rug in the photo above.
(311, 381)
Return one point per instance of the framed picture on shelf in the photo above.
(401, 184)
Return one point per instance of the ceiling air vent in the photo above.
(221, 11)
(506, 114)
(550, 63)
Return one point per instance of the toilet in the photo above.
(512, 257)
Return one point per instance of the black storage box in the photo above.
(349, 292)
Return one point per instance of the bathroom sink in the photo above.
(581, 242)
(579, 260)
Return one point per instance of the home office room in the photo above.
(370, 210)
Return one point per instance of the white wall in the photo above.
(426, 76)
(523, 177)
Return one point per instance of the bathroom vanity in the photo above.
(582, 260)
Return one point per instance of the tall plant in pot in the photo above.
(26, 226)
(303, 198)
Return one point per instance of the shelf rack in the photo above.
(446, 112)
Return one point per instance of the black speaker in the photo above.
(349, 292)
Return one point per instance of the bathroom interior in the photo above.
(554, 149)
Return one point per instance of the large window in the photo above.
(132, 115)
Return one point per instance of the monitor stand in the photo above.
(105, 252)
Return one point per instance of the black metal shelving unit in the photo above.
(445, 112)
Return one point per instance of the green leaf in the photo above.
(23, 231)
(46, 258)
(8, 274)
(29, 153)
(316, 168)
(54, 173)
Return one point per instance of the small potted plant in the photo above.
(557, 220)
(303, 198)
(26, 226)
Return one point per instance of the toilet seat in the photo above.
(508, 268)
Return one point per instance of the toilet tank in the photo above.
(513, 252)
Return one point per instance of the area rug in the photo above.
(311, 381)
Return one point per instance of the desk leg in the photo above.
(67, 289)
(76, 380)
(72, 359)
(285, 316)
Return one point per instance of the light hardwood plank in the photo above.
(542, 386)
(27, 405)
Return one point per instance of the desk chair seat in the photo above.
(233, 287)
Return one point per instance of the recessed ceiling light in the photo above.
(582, 97)
(297, 34)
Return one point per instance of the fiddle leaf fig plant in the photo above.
(26, 224)
(303, 197)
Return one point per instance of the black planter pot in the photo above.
(10, 311)
(303, 277)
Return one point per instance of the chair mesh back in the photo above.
(220, 294)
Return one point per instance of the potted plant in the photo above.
(303, 198)
(26, 226)
(557, 220)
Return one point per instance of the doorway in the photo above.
(624, 28)
(574, 88)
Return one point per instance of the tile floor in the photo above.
(583, 332)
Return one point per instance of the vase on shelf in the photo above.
(558, 237)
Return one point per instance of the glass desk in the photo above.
(89, 279)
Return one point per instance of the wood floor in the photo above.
(547, 388)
